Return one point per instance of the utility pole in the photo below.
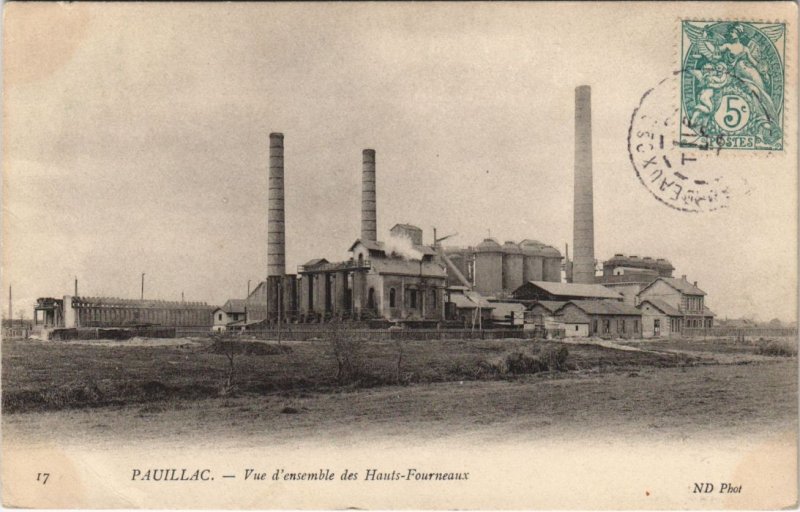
(142, 285)
(248, 287)
(76, 286)
(182, 297)
(10, 311)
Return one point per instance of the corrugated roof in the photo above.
(604, 307)
(663, 307)
(577, 290)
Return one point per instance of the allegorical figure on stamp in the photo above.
(738, 74)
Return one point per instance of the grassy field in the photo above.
(56, 375)
(155, 389)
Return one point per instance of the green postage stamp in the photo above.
(732, 85)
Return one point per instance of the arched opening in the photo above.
(361, 260)
(371, 298)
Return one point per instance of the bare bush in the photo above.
(348, 350)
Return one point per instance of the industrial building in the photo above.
(680, 295)
(546, 291)
(603, 318)
(629, 275)
(402, 280)
(230, 316)
(497, 270)
(72, 312)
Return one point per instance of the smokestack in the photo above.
(369, 216)
(583, 210)
(276, 228)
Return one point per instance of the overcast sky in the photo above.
(136, 140)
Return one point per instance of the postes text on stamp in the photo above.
(732, 85)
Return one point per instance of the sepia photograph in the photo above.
(401, 255)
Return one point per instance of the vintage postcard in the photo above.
(400, 255)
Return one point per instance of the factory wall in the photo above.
(112, 312)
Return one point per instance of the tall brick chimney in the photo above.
(276, 226)
(369, 216)
(583, 209)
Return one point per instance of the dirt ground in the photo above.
(669, 403)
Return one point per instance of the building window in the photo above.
(606, 326)
(622, 326)
(635, 326)
(412, 297)
(220, 317)
(392, 298)
(594, 326)
(576, 327)
(433, 299)
(361, 260)
(371, 298)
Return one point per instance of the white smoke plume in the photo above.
(402, 247)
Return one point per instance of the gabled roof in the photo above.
(470, 300)
(707, 312)
(233, 306)
(575, 290)
(315, 262)
(681, 285)
(603, 307)
(662, 306)
(550, 305)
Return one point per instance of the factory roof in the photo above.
(489, 245)
(315, 262)
(595, 291)
(381, 247)
(550, 305)
(406, 226)
(408, 267)
(603, 307)
(662, 306)
(681, 285)
(82, 301)
(234, 306)
(470, 300)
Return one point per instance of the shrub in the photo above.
(774, 348)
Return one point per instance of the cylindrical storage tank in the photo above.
(532, 260)
(512, 267)
(552, 265)
(489, 267)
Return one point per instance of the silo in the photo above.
(532, 260)
(489, 267)
(512, 267)
(552, 264)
